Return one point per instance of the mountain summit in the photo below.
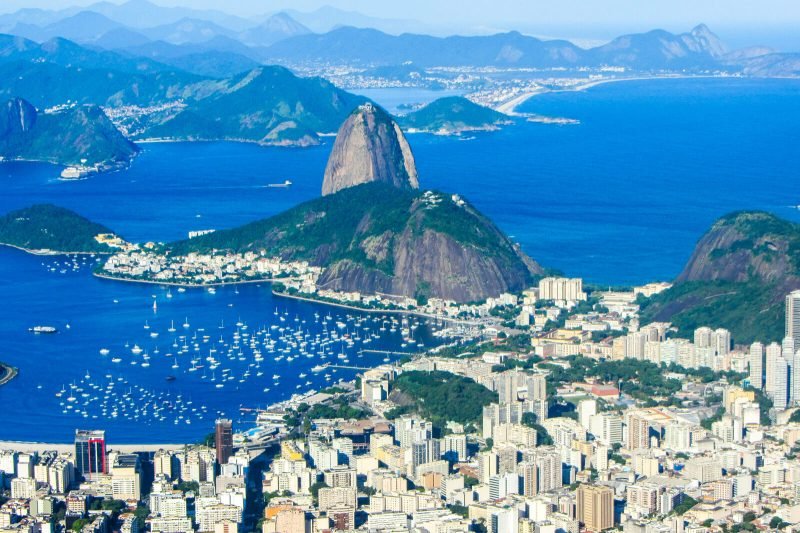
(370, 148)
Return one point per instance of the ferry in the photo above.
(42, 329)
(283, 185)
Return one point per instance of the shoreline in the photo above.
(47, 252)
(189, 285)
(9, 373)
(511, 106)
(368, 310)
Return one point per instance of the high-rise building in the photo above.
(793, 318)
(773, 351)
(223, 440)
(780, 386)
(595, 507)
(756, 361)
(90, 453)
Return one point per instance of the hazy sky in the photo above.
(578, 18)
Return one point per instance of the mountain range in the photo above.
(211, 43)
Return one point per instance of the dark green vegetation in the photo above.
(452, 114)
(441, 396)
(737, 278)
(66, 137)
(51, 228)
(376, 238)
(267, 104)
(687, 503)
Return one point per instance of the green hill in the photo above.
(46, 227)
(737, 278)
(441, 396)
(80, 135)
(269, 105)
(375, 238)
(453, 114)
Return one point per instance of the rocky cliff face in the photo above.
(370, 147)
(69, 137)
(747, 246)
(425, 257)
(737, 278)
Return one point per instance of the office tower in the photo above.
(223, 440)
(756, 361)
(773, 351)
(90, 453)
(721, 341)
(595, 507)
(793, 318)
(781, 383)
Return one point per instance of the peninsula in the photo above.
(80, 137)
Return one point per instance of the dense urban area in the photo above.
(567, 415)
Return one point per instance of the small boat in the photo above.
(42, 329)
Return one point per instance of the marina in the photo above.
(131, 355)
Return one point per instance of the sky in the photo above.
(556, 18)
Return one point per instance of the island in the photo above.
(80, 137)
(46, 229)
(453, 115)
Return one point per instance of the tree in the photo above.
(314, 489)
(78, 524)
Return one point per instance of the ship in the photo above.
(42, 329)
(285, 184)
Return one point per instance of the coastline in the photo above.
(368, 310)
(9, 373)
(189, 285)
(46, 252)
(510, 107)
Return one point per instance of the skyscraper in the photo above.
(595, 507)
(793, 319)
(757, 365)
(90, 453)
(223, 440)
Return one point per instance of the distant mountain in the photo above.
(453, 114)
(268, 105)
(372, 47)
(80, 135)
(48, 228)
(329, 18)
(656, 50)
(65, 53)
(769, 65)
(81, 27)
(145, 14)
(187, 31)
(659, 49)
(737, 278)
(220, 57)
(275, 28)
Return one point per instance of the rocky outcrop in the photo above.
(81, 135)
(737, 278)
(746, 246)
(370, 148)
(429, 260)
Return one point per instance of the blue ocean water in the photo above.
(619, 199)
